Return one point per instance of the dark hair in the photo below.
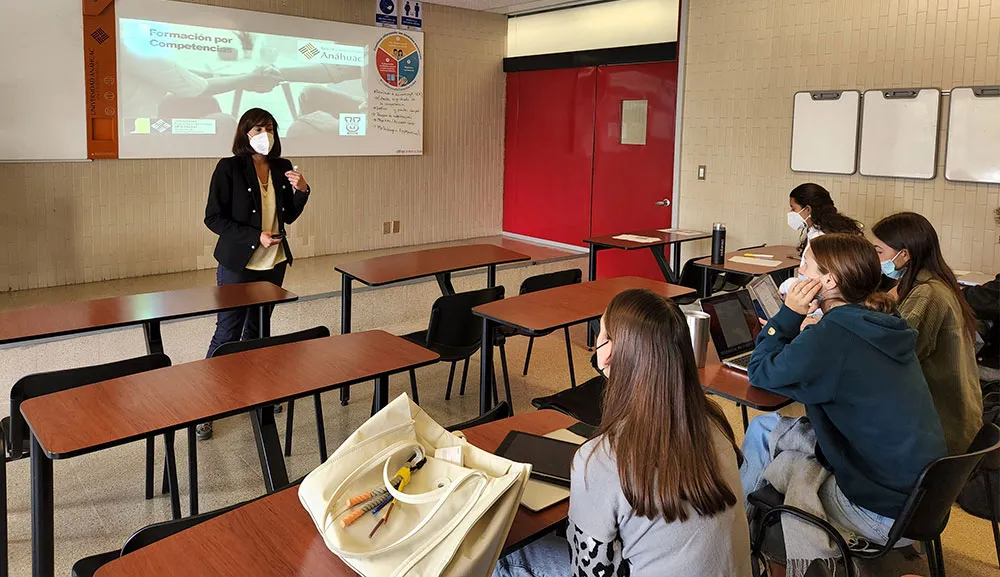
(823, 213)
(915, 233)
(657, 418)
(852, 260)
(251, 118)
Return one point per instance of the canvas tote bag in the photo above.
(449, 521)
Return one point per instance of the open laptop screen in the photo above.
(734, 324)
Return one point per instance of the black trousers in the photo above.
(242, 324)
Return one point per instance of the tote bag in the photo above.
(449, 521)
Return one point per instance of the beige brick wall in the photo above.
(65, 223)
(745, 60)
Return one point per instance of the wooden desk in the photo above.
(148, 310)
(437, 262)
(658, 248)
(787, 255)
(110, 413)
(274, 536)
(735, 386)
(549, 309)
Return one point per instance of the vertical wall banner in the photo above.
(101, 74)
(387, 13)
(411, 14)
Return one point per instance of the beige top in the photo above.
(267, 258)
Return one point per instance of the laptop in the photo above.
(733, 326)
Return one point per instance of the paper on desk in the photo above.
(968, 278)
(538, 494)
(636, 238)
(754, 261)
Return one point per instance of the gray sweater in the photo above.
(716, 546)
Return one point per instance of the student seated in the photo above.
(985, 302)
(657, 491)
(931, 301)
(811, 210)
(856, 372)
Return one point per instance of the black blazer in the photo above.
(233, 210)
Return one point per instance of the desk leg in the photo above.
(706, 284)
(677, 261)
(381, 392)
(265, 320)
(659, 254)
(491, 276)
(4, 552)
(746, 421)
(345, 326)
(591, 276)
(444, 283)
(272, 463)
(486, 367)
(42, 514)
(171, 475)
(192, 470)
(154, 345)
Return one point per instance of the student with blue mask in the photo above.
(811, 210)
(931, 302)
(857, 374)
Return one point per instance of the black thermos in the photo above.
(718, 243)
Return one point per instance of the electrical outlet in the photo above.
(701, 172)
(395, 226)
(386, 227)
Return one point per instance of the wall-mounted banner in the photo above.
(386, 13)
(101, 74)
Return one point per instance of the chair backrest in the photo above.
(501, 411)
(153, 533)
(40, 384)
(452, 323)
(691, 275)
(926, 510)
(550, 280)
(253, 344)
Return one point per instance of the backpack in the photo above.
(973, 497)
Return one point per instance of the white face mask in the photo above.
(262, 142)
(795, 220)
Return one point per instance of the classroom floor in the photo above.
(99, 497)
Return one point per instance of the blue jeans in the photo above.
(547, 557)
(242, 324)
(846, 516)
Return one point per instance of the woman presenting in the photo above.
(253, 195)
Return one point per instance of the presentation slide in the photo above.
(187, 72)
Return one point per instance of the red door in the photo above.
(628, 179)
(549, 153)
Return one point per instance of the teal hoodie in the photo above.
(857, 373)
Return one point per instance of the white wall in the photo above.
(607, 25)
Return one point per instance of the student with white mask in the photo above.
(811, 212)
(253, 195)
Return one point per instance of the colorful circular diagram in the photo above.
(398, 60)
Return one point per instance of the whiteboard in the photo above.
(899, 132)
(42, 99)
(825, 131)
(973, 151)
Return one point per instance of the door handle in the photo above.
(664, 202)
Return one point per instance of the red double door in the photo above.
(568, 176)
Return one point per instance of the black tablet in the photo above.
(550, 459)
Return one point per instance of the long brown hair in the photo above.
(916, 234)
(656, 417)
(852, 260)
(824, 214)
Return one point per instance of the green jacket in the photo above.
(947, 357)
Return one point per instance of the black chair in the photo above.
(15, 436)
(534, 284)
(88, 566)
(454, 333)
(253, 344)
(924, 514)
(499, 412)
(582, 403)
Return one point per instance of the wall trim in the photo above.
(675, 216)
(659, 52)
(545, 242)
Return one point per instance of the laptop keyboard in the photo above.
(742, 360)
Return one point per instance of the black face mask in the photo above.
(596, 366)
